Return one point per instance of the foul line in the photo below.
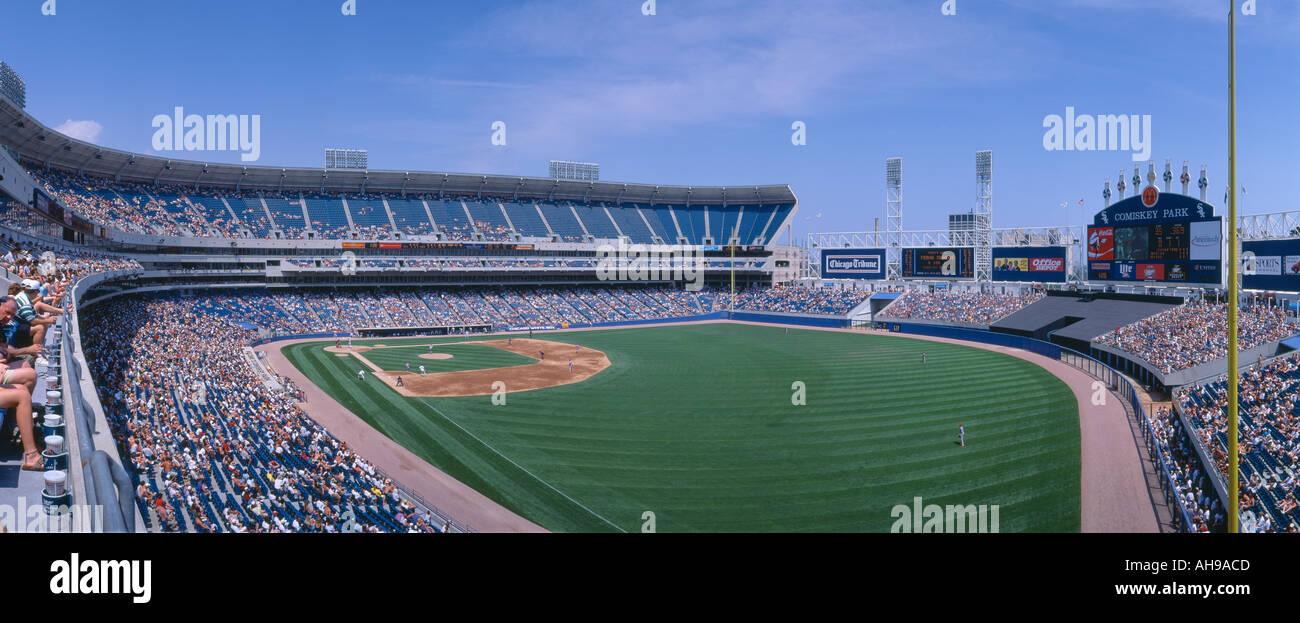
(521, 468)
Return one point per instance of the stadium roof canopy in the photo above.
(32, 140)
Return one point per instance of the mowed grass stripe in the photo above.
(695, 424)
(424, 431)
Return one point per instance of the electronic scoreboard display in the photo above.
(1173, 239)
(939, 263)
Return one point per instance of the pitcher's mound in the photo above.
(435, 356)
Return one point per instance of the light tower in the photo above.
(894, 218)
(1168, 177)
(984, 216)
(1185, 178)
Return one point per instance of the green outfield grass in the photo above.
(393, 357)
(695, 424)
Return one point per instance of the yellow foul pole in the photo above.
(1234, 501)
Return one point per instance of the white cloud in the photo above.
(725, 62)
(83, 130)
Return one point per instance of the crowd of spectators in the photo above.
(801, 300)
(1197, 332)
(1268, 437)
(1193, 490)
(209, 446)
(972, 308)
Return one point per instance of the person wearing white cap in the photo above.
(35, 325)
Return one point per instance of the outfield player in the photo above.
(922, 357)
(361, 375)
(408, 367)
(421, 369)
(961, 435)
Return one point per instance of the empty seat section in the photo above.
(630, 222)
(597, 222)
(526, 220)
(751, 222)
(661, 221)
(782, 212)
(562, 222)
(723, 222)
(692, 222)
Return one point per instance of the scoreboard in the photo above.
(939, 263)
(1157, 238)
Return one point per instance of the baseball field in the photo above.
(698, 425)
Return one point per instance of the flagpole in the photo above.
(1234, 503)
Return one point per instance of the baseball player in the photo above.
(421, 369)
(575, 349)
(922, 357)
(399, 382)
(349, 342)
(543, 355)
(570, 366)
(510, 341)
(961, 435)
(361, 375)
(408, 367)
(431, 349)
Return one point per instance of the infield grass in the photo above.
(696, 424)
(464, 357)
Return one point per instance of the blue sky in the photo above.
(704, 92)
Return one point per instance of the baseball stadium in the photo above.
(197, 345)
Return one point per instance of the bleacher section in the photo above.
(489, 220)
(328, 217)
(526, 219)
(629, 221)
(410, 216)
(185, 211)
(450, 217)
(560, 217)
(661, 222)
(597, 222)
(369, 217)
